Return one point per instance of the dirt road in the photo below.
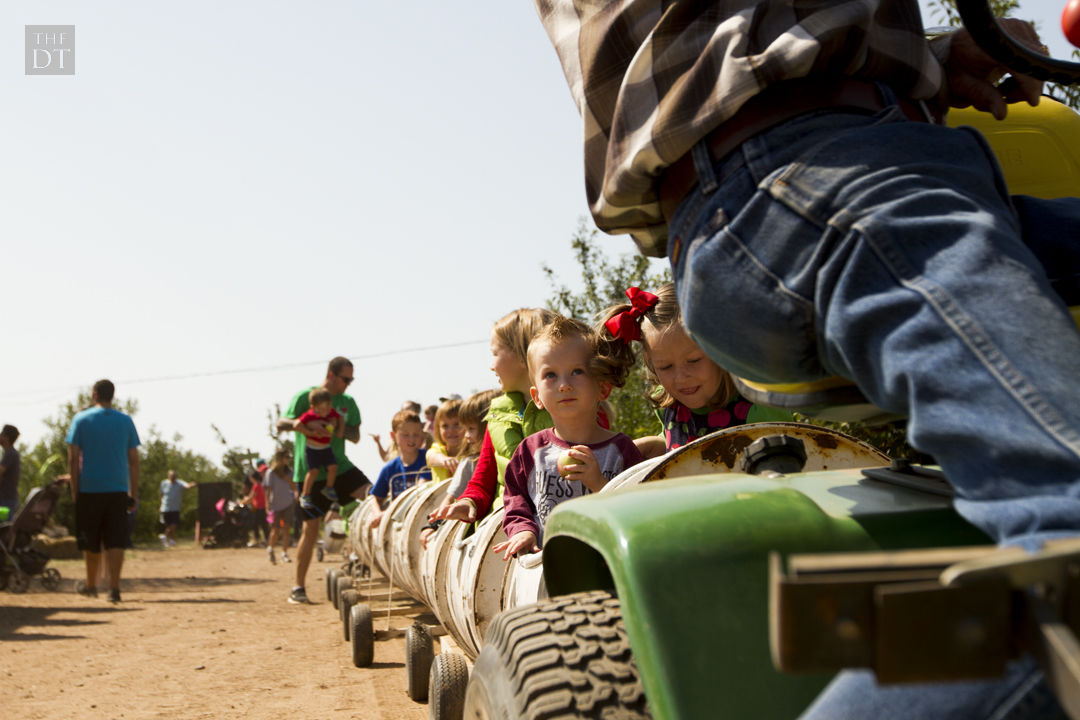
(199, 634)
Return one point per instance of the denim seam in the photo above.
(777, 281)
(972, 335)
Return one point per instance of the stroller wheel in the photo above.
(19, 582)
(50, 579)
(319, 551)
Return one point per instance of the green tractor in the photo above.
(679, 594)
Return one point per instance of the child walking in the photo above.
(510, 418)
(409, 467)
(693, 395)
(572, 371)
(319, 425)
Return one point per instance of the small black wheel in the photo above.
(20, 581)
(569, 656)
(345, 603)
(50, 579)
(320, 553)
(343, 583)
(446, 687)
(361, 635)
(331, 583)
(419, 653)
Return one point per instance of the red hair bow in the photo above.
(626, 326)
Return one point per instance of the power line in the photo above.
(52, 392)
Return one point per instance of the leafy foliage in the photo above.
(603, 283)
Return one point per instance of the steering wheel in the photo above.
(997, 43)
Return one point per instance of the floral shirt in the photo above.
(682, 425)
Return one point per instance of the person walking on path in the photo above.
(350, 482)
(9, 469)
(103, 461)
(281, 503)
(172, 491)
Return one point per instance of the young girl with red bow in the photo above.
(694, 396)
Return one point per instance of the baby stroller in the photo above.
(230, 530)
(19, 559)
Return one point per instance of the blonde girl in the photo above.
(693, 395)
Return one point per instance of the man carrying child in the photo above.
(350, 481)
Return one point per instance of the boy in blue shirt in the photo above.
(408, 467)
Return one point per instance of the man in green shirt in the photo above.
(351, 481)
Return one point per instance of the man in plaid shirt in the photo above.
(789, 159)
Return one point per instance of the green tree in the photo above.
(603, 283)
(945, 12)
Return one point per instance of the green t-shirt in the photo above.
(346, 407)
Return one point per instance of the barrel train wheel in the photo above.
(569, 657)
(446, 686)
(419, 653)
(348, 598)
(361, 635)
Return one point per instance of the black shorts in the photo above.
(346, 484)
(319, 458)
(170, 517)
(101, 521)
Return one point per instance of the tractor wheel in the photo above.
(346, 601)
(361, 635)
(344, 582)
(568, 657)
(331, 584)
(446, 687)
(20, 581)
(50, 579)
(419, 652)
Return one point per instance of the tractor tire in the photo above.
(344, 582)
(419, 653)
(564, 657)
(446, 687)
(361, 635)
(346, 600)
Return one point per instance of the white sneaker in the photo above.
(285, 558)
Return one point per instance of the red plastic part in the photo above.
(1070, 22)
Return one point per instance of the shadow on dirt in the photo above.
(13, 618)
(191, 582)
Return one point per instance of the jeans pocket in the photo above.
(735, 294)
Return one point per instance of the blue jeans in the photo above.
(889, 252)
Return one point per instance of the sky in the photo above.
(225, 195)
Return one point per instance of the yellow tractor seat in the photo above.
(1038, 149)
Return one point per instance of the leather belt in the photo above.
(774, 105)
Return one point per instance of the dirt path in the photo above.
(200, 634)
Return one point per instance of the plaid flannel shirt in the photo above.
(652, 77)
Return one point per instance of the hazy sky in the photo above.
(227, 194)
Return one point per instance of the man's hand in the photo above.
(521, 542)
(972, 75)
